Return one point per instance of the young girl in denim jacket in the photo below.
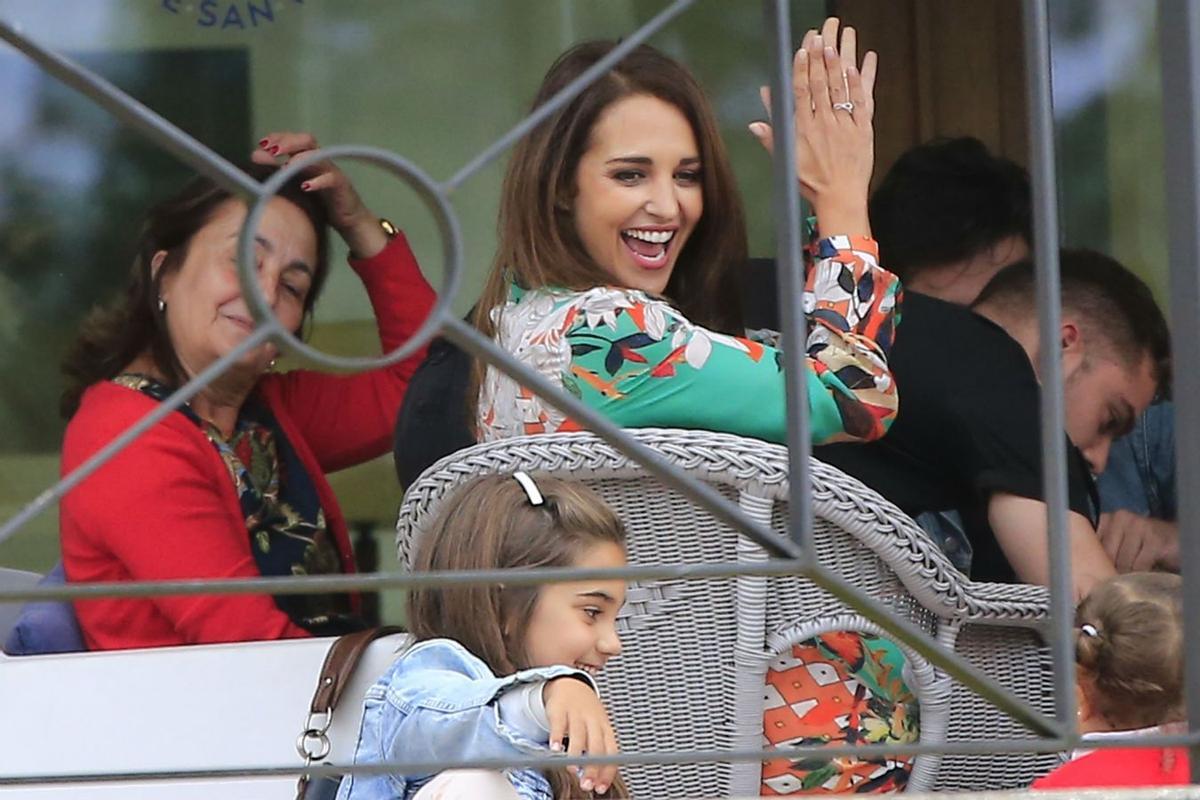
(1129, 682)
(502, 671)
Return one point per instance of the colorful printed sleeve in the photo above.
(641, 363)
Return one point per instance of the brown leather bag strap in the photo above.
(339, 666)
(340, 663)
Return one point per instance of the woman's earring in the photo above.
(271, 364)
(162, 305)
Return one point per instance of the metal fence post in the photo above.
(1179, 44)
(790, 271)
(1054, 444)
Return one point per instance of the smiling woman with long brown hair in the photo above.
(620, 229)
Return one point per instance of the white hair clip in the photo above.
(531, 489)
(1089, 630)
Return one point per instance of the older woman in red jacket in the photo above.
(233, 484)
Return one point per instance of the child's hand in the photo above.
(576, 713)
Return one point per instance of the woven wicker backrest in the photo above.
(690, 676)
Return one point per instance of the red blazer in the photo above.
(1120, 767)
(164, 508)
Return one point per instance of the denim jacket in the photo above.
(1140, 476)
(440, 702)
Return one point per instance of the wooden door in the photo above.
(946, 68)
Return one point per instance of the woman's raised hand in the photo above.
(576, 714)
(835, 148)
(347, 213)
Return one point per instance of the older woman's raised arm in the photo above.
(348, 419)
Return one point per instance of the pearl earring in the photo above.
(162, 305)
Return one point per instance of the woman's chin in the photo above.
(256, 361)
(650, 281)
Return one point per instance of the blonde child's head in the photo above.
(1129, 652)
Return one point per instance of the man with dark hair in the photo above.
(1114, 310)
(948, 215)
(967, 436)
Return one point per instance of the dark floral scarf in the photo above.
(284, 518)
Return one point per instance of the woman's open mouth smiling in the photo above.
(649, 247)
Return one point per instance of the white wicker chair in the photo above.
(696, 652)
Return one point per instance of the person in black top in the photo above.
(952, 215)
(949, 215)
(967, 436)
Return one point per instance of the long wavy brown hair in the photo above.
(538, 243)
(490, 524)
(112, 336)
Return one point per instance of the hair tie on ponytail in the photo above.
(1089, 630)
(531, 489)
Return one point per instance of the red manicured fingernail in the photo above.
(306, 186)
(275, 150)
(264, 142)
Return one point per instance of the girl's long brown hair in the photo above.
(1132, 653)
(490, 524)
(112, 336)
(538, 244)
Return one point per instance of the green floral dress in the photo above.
(641, 362)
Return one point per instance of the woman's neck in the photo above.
(218, 403)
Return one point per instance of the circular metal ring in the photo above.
(322, 742)
(846, 105)
(435, 200)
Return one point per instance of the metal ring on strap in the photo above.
(313, 735)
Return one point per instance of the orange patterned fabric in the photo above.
(841, 688)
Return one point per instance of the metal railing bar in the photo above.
(953, 665)
(1179, 45)
(377, 581)
(790, 271)
(178, 398)
(974, 747)
(159, 131)
(470, 339)
(1049, 300)
(194, 154)
(566, 94)
(901, 629)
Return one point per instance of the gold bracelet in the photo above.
(391, 230)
